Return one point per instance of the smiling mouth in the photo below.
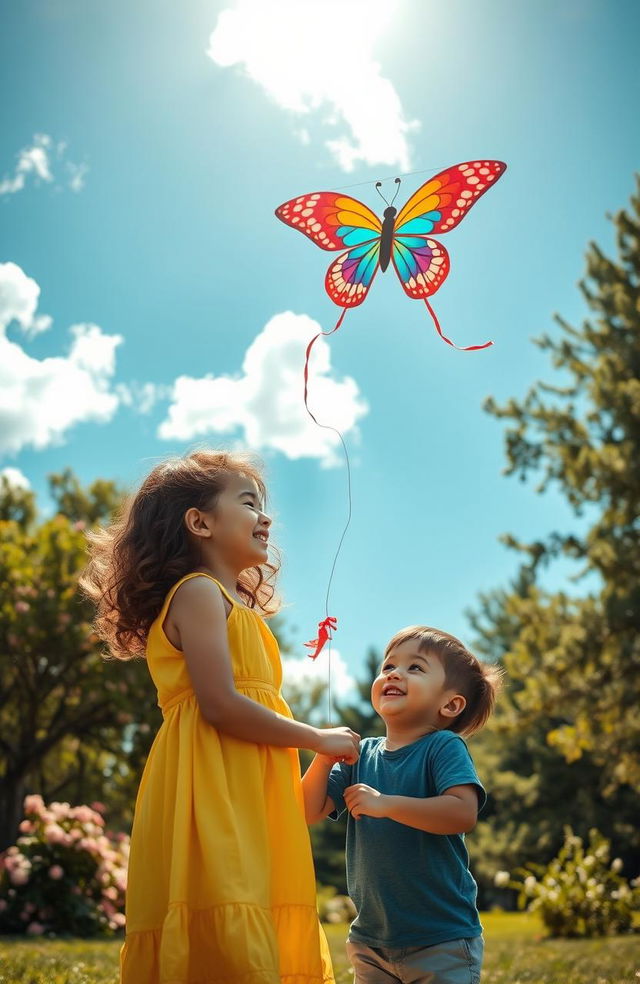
(263, 537)
(393, 692)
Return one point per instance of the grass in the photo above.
(516, 953)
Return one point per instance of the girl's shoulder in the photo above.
(199, 584)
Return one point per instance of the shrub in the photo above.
(334, 908)
(581, 892)
(65, 874)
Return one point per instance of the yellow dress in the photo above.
(221, 881)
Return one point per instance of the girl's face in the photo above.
(239, 527)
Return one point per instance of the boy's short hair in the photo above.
(478, 682)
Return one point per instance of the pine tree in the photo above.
(566, 737)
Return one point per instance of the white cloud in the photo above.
(266, 401)
(142, 397)
(318, 56)
(15, 478)
(300, 674)
(19, 300)
(38, 162)
(77, 174)
(40, 399)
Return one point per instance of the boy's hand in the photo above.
(364, 801)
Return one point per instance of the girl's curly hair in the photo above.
(138, 558)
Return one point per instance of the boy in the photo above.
(411, 798)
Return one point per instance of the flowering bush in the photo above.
(64, 874)
(580, 893)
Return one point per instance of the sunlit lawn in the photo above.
(515, 954)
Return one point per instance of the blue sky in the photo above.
(143, 149)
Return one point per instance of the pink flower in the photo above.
(111, 893)
(54, 834)
(22, 607)
(84, 814)
(87, 844)
(56, 872)
(98, 807)
(60, 810)
(120, 879)
(19, 876)
(34, 804)
(27, 827)
(117, 920)
(35, 929)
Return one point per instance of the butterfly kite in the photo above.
(335, 221)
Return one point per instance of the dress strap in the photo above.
(188, 577)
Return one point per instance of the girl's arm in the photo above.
(198, 614)
(317, 805)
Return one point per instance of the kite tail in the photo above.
(460, 348)
(306, 371)
(329, 622)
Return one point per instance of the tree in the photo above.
(71, 724)
(534, 792)
(566, 736)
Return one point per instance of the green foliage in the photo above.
(88, 507)
(524, 772)
(578, 659)
(72, 725)
(564, 744)
(16, 503)
(580, 892)
(64, 874)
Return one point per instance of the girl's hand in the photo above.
(338, 744)
(364, 801)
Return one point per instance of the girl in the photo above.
(221, 883)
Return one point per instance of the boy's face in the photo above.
(410, 687)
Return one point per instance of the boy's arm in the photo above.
(317, 804)
(455, 811)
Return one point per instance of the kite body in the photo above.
(334, 221)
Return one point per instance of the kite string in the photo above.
(349, 512)
(403, 174)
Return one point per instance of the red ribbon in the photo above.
(306, 364)
(460, 348)
(325, 628)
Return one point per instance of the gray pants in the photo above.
(453, 962)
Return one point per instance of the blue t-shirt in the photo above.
(410, 888)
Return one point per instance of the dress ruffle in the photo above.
(228, 944)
